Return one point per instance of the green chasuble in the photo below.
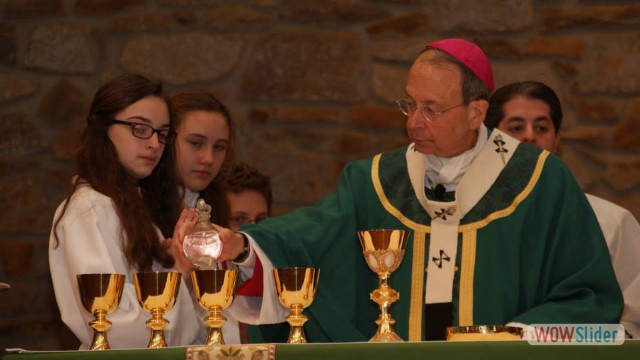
(530, 250)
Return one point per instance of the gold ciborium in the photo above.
(157, 292)
(383, 250)
(100, 295)
(214, 291)
(296, 289)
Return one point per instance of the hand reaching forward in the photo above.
(187, 220)
(232, 243)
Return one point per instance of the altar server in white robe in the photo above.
(123, 204)
(204, 147)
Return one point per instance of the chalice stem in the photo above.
(384, 296)
(100, 326)
(383, 281)
(296, 320)
(385, 321)
(215, 320)
(157, 324)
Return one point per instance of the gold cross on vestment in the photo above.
(501, 149)
(444, 212)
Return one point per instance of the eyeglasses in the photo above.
(144, 131)
(408, 107)
(239, 220)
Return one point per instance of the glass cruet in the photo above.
(203, 246)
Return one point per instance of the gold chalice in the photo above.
(100, 295)
(296, 289)
(157, 292)
(214, 291)
(383, 250)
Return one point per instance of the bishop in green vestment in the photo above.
(511, 240)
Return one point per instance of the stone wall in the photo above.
(311, 84)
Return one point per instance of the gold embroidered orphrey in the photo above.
(232, 352)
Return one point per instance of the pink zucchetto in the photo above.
(470, 55)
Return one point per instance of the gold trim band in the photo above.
(467, 271)
(417, 287)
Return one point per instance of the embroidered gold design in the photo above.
(467, 263)
(417, 287)
(232, 352)
(377, 185)
(444, 212)
(535, 176)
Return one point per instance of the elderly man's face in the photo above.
(437, 86)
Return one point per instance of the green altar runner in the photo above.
(507, 350)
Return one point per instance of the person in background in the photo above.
(249, 195)
(122, 206)
(494, 225)
(250, 201)
(204, 146)
(531, 112)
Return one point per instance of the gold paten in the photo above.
(484, 333)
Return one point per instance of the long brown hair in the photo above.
(187, 101)
(97, 164)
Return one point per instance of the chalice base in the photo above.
(385, 331)
(100, 326)
(157, 325)
(215, 322)
(215, 337)
(99, 341)
(386, 337)
(157, 340)
(296, 334)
